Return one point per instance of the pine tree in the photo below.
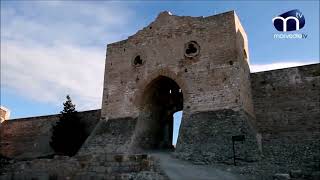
(68, 133)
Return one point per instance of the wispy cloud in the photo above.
(49, 49)
(279, 65)
(81, 23)
(47, 73)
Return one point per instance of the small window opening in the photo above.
(170, 91)
(191, 49)
(180, 90)
(137, 61)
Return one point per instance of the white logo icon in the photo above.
(284, 21)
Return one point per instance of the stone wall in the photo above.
(30, 137)
(287, 108)
(112, 136)
(245, 96)
(207, 137)
(104, 166)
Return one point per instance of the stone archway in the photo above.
(161, 99)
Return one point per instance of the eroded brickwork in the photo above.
(206, 57)
(30, 137)
(209, 81)
(105, 166)
(211, 139)
(113, 136)
(287, 108)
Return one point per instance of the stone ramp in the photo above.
(177, 169)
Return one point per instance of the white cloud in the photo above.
(77, 23)
(279, 65)
(49, 50)
(47, 74)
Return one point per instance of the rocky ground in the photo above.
(151, 166)
(178, 169)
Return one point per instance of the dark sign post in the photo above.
(236, 138)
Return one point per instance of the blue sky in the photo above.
(53, 48)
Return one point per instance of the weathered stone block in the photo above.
(281, 176)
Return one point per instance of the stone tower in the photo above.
(195, 64)
(4, 114)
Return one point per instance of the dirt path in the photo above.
(182, 170)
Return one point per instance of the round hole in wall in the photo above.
(137, 61)
(191, 49)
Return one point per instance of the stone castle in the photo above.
(195, 64)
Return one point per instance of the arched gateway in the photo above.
(195, 63)
(161, 99)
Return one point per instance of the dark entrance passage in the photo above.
(162, 98)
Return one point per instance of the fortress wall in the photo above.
(212, 137)
(287, 99)
(287, 109)
(209, 81)
(106, 166)
(244, 71)
(213, 81)
(30, 137)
